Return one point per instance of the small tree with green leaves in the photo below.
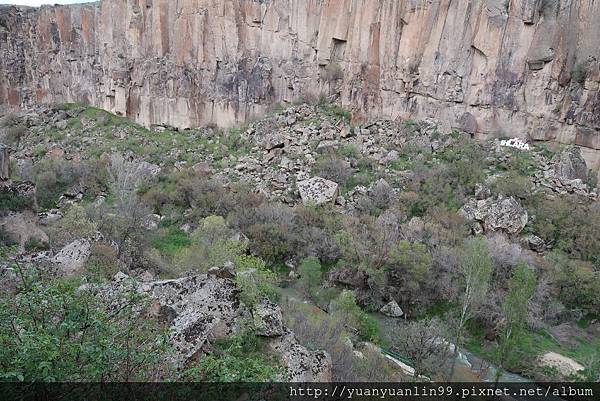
(310, 275)
(520, 290)
(346, 307)
(476, 268)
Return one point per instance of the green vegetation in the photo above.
(171, 240)
(520, 290)
(53, 331)
(240, 358)
(579, 72)
(399, 240)
(310, 275)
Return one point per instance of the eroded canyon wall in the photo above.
(490, 67)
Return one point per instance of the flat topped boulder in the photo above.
(318, 190)
(496, 214)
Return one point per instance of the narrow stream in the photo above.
(468, 368)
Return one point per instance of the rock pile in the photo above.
(202, 308)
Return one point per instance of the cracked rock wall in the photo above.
(527, 68)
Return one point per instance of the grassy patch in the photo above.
(170, 240)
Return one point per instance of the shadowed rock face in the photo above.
(517, 68)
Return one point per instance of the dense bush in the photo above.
(569, 225)
(240, 358)
(55, 331)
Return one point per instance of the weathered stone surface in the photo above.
(204, 307)
(570, 165)
(318, 190)
(392, 309)
(534, 243)
(4, 162)
(495, 214)
(566, 366)
(479, 66)
(303, 365)
(71, 259)
(268, 320)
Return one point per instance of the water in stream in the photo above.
(468, 368)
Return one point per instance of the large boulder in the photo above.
(199, 308)
(71, 259)
(392, 309)
(318, 190)
(268, 319)
(496, 214)
(302, 365)
(570, 165)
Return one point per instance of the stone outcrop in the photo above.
(524, 67)
(268, 319)
(496, 214)
(303, 365)
(202, 308)
(392, 309)
(71, 259)
(569, 165)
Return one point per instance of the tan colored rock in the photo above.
(566, 366)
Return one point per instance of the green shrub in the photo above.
(55, 331)
(579, 72)
(579, 283)
(254, 279)
(240, 358)
(270, 241)
(10, 201)
(513, 184)
(569, 225)
(345, 306)
(36, 245)
(310, 275)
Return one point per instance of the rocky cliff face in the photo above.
(527, 68)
